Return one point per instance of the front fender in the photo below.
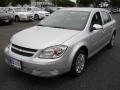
(74, 49)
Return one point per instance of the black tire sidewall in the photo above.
(36, 17)
(17, 19)
(73, 67)
(110, 43)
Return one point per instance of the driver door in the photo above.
(96, 36)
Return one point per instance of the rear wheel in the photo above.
(17, 19)
(78, 63)
(112, 42)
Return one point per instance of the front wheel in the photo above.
(10, 22)
(36, 17)
(78, 63)
(17, 19)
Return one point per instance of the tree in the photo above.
(54, 2)
(4, 3)
(84, 2)
(64, 3)
(115, 3)
(21, 2)
(88, 2)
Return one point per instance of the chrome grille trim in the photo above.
(23, 51)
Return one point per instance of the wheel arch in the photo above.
(16, 16)
(75, 51)
(114, 32)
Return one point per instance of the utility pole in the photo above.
(78, 3)
(36, 3)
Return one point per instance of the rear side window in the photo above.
(106, 17)
(10, 10)
(29, 9)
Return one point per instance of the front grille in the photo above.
(23, 51)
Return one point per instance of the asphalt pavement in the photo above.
(102, 71)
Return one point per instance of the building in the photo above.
(41, 3)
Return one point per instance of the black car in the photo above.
(115, 10)
(48, 9)
(5, 18)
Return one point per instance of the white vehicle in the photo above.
(62, 42)
(38, 13)
(20, 14)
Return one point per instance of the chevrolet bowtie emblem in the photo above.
(20, 50)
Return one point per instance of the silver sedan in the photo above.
(62, 42)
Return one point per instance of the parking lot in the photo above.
(102, 72)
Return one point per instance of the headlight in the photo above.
(53, 52)
(22, 15)
(42, 14)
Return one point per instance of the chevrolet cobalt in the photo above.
(62, 42)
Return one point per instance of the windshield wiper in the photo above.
(58, 27)
(40, 25)
(52, 26)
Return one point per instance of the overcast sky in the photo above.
(73, 0)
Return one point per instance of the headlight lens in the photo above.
(22, 15)
(42, 14)
(53, 52)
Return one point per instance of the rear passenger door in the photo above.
(107, 26)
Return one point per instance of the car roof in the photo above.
(13, 7)
(89, 9)
(31, 7)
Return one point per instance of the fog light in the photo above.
(45, 73)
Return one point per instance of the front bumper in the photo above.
(5, 20)
(43, 15)
(39, 67)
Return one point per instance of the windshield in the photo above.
(19, 10)
(2, 10)
(36, 9)
(67, 19)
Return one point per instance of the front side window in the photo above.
(96, 19)
(10, 10)
(36, 9)
(29, 9)
(19, 10)
(67, 19)
(2, 10)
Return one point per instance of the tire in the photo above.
(10, 22)
(112, 42)
(36, 17)
(78, 63)
(17, 19)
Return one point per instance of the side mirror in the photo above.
(96, 27)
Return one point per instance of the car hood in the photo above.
(23, 13)
(43, 12)
(4, 15)
(39, 37)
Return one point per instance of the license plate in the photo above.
(15, 63)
